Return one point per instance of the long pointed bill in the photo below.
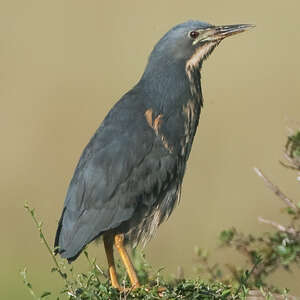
(218, 33)
(228, 30)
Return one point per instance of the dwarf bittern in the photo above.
(129, 176)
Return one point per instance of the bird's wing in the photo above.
(122, 164)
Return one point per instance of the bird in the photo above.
(128, 179)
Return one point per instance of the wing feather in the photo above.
(120, 165)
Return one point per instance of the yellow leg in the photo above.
(108, 245)
(119, 243)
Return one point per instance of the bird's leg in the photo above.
(119, 243)
(108, 245)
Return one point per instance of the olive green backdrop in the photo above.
(63, 64)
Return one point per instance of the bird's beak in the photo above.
(228, 30)
(218, 33)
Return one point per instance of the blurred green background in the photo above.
(63, 64)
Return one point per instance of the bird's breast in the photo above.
(155, 122)
(176, 130)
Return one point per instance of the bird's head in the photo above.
(174, 65)
(191, 43)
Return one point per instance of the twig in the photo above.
(275, 189)
(288, 158)
(93, 266)
(100, 271)
(39, 227)
(247, 275)
(28, 284)
(42, 237)
(292, 167)
(262, 295)
(278, 226)
(180, 273)
(293, 163)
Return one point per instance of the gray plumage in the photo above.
(129, 176)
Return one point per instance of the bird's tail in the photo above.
(58, 231)
(59, 243)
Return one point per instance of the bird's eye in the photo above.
(194, 34)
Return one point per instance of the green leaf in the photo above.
(226, 292)
(282, 250)
(45, 294)
(226, 236)
(290, 211)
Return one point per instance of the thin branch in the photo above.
(59, 269)
(262, 295)
(292, 167)
(92, 265)
(247, 276)
(101, 271)
(278, 226)
(293, 163)
(42, 237)
(275, 189)
(287, 157)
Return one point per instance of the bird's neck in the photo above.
(170, 85)
(173, 97)
(194, 77)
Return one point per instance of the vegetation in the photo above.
(264, 254)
